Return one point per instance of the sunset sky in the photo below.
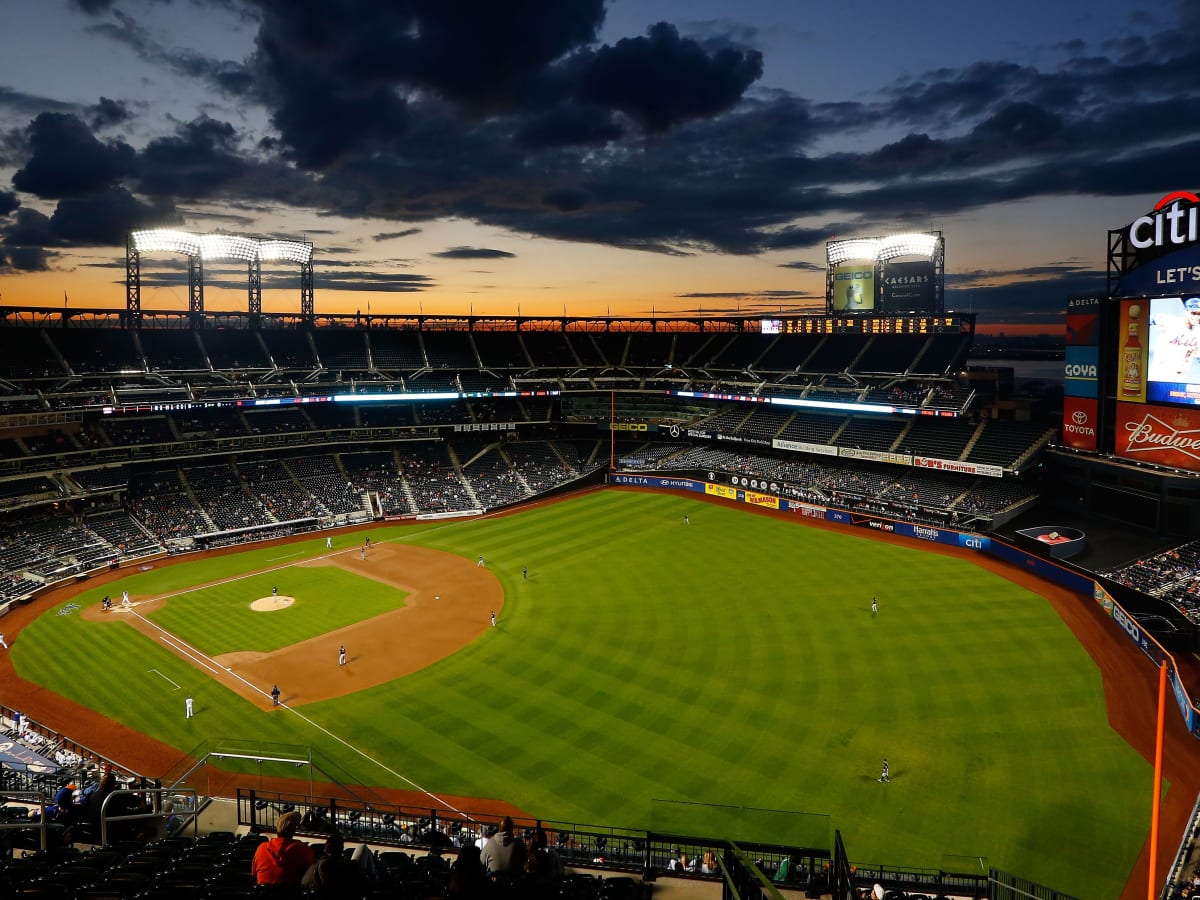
(623, 157)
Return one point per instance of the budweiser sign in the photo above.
(1173, 441)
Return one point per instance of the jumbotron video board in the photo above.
(1154, 299)
(891, 275)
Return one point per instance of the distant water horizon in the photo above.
(1025, 369)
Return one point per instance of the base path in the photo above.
(448, 604)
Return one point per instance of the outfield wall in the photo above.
(760, 493)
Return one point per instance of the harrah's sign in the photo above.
(1159, 435)
(1175, 222)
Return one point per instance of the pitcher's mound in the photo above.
(270, 604)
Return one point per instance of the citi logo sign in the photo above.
(1175, 222)
(1081, 370)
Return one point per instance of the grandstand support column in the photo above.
(1155, 806)
(133, 283)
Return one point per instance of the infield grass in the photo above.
(731, 661)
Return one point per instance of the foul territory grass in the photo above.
(649, 665)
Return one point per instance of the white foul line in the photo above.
(211, 664)
(163, 677)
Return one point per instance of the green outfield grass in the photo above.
(217, 619)
(731, 661)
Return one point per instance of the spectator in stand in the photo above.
(543, 868)
(468, 877)
(283, 861)
(335, 876)
(504, 855)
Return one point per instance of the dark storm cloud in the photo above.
(105, 219)
(8, 202)
(197, 161)
(107, 113)
(385, 282)
(511, 115)
(227, 76)
(802, 266)
(24, 259)
(474, 253)
(392, 235)
(68, 161)
(662, 79)
(29, 228)
(25, 104)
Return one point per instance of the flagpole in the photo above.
(1151, 893)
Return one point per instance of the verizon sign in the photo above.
(1159, 434)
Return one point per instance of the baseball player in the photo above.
(342, 655)
(874, 605)
(885, 778)
(187, 706)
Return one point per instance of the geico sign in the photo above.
(628, 426)
(1081, 370)
(1170, 223)
(1127, 624)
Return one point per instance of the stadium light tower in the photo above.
(221, 247)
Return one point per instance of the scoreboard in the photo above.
(868, 325)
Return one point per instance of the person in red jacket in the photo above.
(283, 860)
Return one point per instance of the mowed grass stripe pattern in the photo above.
(735, 661)
(218, 619)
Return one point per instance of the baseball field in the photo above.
(731, 659)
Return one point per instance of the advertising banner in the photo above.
(1181, 698)
(655, 481)
(764, 500)
(1163, 435)
(854, 288)
(954, 465)
(1175, 273)
(1079, 422)
(720, 490)
(908, 286)
(903, 459)
(1080, 371)
(1132, 335)
(1083, 322)
(804, 447)
(805, 509)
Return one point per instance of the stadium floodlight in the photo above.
(165, 240)
(291, 251)
(220, 246)
(907, 244)
(227, 246)
(882, 249)
(838, 252)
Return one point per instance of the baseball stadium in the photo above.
(805, 606)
